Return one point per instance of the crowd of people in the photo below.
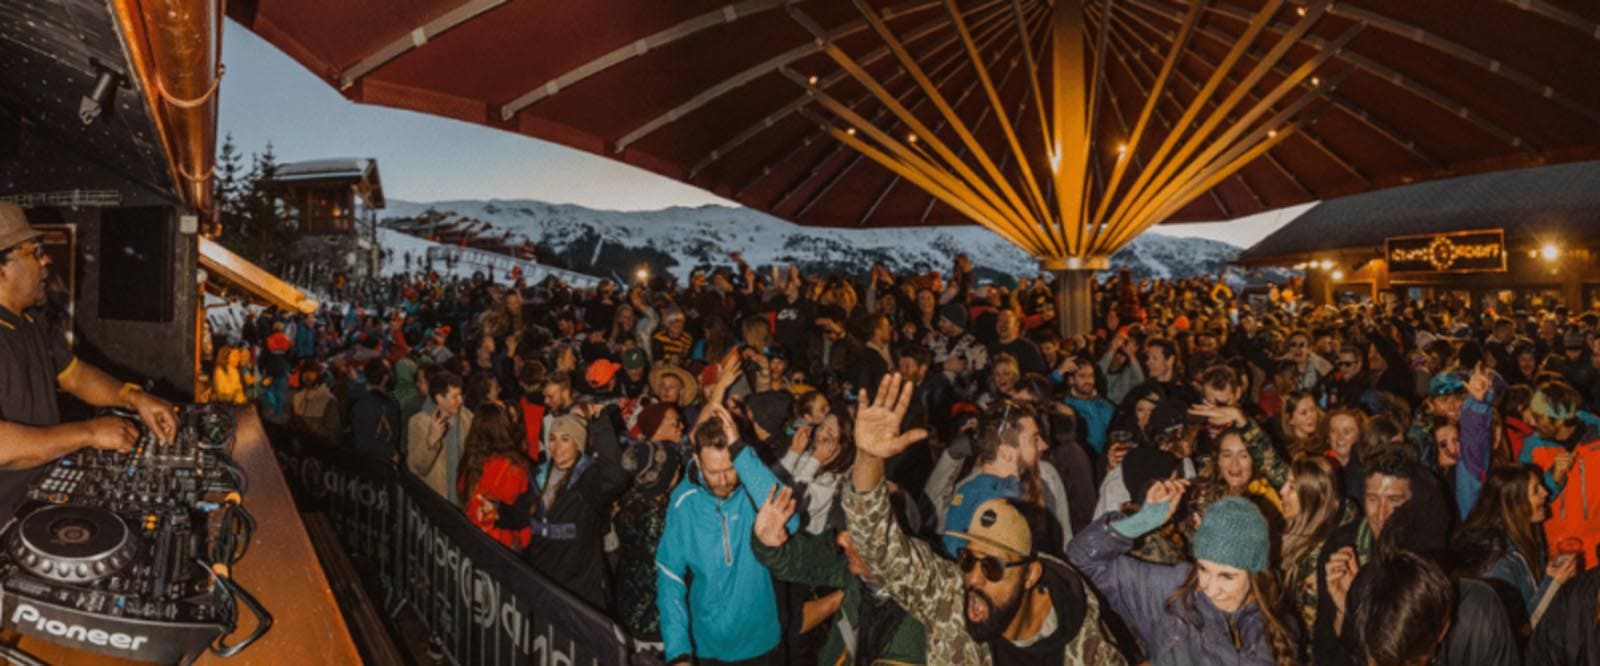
(779, 467)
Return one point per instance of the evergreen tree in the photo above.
(228, 186)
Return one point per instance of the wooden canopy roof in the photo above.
(725, 95)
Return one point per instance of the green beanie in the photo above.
(1233, 533)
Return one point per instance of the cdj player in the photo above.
(130, 554)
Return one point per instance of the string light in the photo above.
(850, 130)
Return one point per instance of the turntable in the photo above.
(71, 544)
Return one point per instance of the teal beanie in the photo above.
(1233, 533)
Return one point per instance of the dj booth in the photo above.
(279, 569)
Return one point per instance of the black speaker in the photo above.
(136, 264)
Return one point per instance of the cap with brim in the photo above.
(14, 227)
(969, 499)
(691, 387)
(1000, 526)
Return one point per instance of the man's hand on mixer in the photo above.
(110, 433)
(156, 414)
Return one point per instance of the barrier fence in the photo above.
(483, 603)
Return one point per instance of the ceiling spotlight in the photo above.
(100, 99)
(1338, 275)
(1327, 264)
(1550, 252)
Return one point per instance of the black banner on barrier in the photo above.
(480, 599)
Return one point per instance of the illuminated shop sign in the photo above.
(1459, 252)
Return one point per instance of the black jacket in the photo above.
(568, 538)
(1569, 633)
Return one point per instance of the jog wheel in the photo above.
(71, 544)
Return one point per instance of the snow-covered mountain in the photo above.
(678, 239)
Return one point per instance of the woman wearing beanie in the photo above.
(1214, 611)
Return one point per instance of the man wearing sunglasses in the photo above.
(1006, 601)
(35, 364)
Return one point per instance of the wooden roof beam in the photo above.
(1365, 116)
(415, 39)
(949, 65)
(1402, 81)
(1438, 43)
(1274, 160)
(825, 82)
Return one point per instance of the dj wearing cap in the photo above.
(35, 363)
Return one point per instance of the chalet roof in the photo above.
(1550, 203)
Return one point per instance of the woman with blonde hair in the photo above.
(227, 382)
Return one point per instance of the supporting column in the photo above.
(1075, 293)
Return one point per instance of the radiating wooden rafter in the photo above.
(1076, 214)
(948, 67)
(926, 30)
(1360, 114)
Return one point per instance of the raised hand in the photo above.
(878, 422)
(1170, 491)
(801, 439)
(723, 418)
(770, 520)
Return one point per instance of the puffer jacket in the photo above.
(1172, 634)
(730, 608)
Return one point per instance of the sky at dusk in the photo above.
(266, 96)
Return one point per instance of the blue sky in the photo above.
(266, 96)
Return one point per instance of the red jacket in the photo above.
(502, 481)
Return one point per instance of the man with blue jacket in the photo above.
(716, 600)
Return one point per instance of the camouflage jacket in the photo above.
(929, 587)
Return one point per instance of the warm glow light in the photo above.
(1338, 275)
(643, 274)
(1315, 81)
(1327, 264)
(1272, 134)
(851, 131)
(911, 137)
(1550, 252)
(1300, 10)
(812, 80)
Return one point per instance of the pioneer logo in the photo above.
(26, 613)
